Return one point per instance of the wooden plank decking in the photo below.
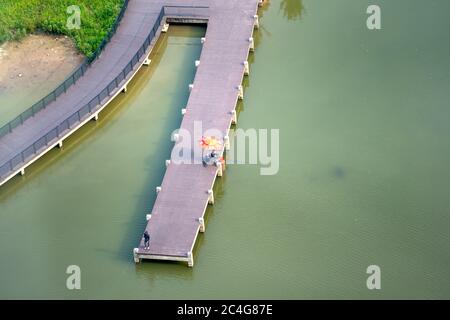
(178, 213)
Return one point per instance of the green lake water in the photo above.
(364, 173)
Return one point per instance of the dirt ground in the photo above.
(36, 59)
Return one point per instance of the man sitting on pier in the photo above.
(210, 158)
(146, 240)
(210, 143)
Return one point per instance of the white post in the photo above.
(158, 189)
(148, 216)
(167, 163)
(234, 117)
(165, 27)
(95, 117)
(211, 196)
(197, 63)
(22, 171)
(240, 92)
(190, 259)
(147, 62)
(220, 168)
(175, 137)
(256, 19)
(252, 44)
(124, 89)
(183, 111)
(246, 68)
(136, 256)
(227, 142)
(202, 224)
(60, 144)
(191, 86)
(203, 40)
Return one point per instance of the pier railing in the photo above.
(78, 73)
(86, 111)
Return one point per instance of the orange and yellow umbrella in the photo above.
(210, 143)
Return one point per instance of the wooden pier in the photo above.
(178, 214)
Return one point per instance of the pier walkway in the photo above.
(187, 189)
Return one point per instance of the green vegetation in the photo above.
(21, 17)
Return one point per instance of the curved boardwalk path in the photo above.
(178, 213)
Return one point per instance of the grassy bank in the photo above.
(21, 17)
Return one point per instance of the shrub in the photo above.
(21, 17)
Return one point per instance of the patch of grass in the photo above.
(21, 17)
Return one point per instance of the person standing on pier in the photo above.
(146, 240)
